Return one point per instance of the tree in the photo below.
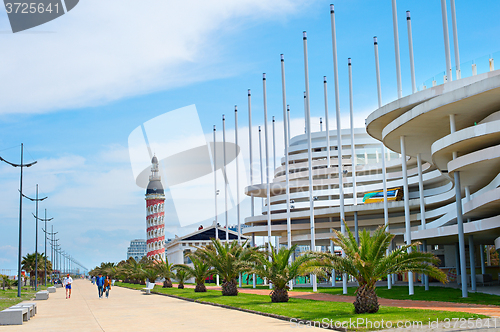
(136, 272)
(6, 282)
(28, 264)
(165, 271)
(181, 276)
(122, 269)
(228, 260)
(106, 269)
(150, 273)
(369, 263)
(200, 271)
(279, 270)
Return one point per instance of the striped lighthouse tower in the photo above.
(155, 214)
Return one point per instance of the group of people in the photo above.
(103, 284)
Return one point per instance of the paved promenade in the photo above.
(132, 310)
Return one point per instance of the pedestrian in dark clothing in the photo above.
(100, 285)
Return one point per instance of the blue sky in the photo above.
(73, 90)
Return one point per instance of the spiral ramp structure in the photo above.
(455, 127)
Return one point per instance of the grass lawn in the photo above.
(8, 297)
(433, 294)
(250, 286)
(309, 310)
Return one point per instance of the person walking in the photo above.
(93, 280)
(67, 284)
(100, 284)
(107, 286)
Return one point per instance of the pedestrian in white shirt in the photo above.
(67, 283)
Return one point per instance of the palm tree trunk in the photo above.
(366, 300)
(167, 283)
(279, 295)
(229, 288)
(200, 288)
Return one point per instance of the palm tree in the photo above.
(135, 271)
(369, 263)
(6, 282)
(181, 276)
(200, 271)
(109, 269)
(228, 260)
(150, 273)
(106, 269)
(165, 271)
(28, 264)
(123, 270)
(279, 270)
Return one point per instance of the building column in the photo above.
(488, 255)
(460, 221)
(425, 278)
(393, 247)
(406, 197)
(472, 256)
(457, 260)
(332, 248)
(467, 197)
(254, 278)
(356, 229)
(481, 256)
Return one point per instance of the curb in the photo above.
(284, 318)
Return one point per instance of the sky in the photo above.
(74, 89)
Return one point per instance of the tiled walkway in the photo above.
(132, 310)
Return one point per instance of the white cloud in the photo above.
(106, 50)
(92, 196)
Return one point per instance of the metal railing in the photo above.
(479, 65)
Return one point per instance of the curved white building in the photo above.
(368, 171)
(455, 127)
(445, 157)
(451, 130)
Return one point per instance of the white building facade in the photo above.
(137, 249)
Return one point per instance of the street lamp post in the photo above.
(54, 245)
(20, 215)
(63, 253)
(57, 255)
(36, 232)
(45, 231)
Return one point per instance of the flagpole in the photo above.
(309, 156)
(252, 199)
(215, 194)
(225, 174)
(339, 137)
(287, 176)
